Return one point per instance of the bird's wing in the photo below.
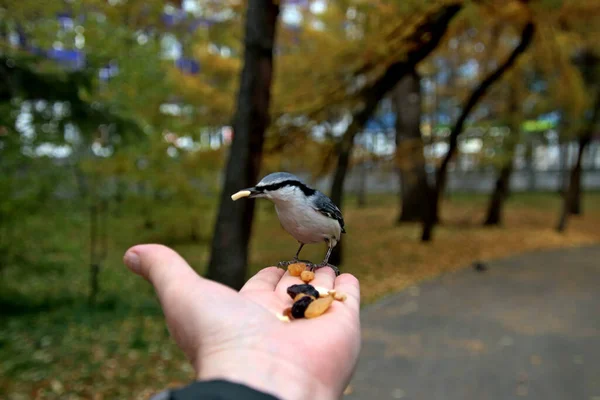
(325, 206)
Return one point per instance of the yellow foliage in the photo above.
(553, 52)
(321, 63)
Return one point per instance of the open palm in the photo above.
(237, 336)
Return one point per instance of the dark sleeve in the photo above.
(213, 390)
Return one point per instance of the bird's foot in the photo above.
(285, 264)
(314, 267)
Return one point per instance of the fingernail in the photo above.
(132, 260)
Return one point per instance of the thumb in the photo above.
(193, 306)
(177, 285)
(172, 277)
(179, 289)
(160, 265)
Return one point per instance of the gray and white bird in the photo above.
(305, 213)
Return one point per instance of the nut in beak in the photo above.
(240, 194)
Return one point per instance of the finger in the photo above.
(265, 280)
(177, 285)
(324, 277)
(286, 281)
(188, 301)
(160, 265)
(348, 284)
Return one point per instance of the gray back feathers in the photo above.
(325, 206)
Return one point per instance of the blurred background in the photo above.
(449, 133)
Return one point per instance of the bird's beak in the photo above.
(250, 193)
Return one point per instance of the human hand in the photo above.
(236, 336)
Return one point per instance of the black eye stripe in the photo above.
(276, 186)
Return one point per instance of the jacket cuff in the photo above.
(213, 390)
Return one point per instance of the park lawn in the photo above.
(52, 345)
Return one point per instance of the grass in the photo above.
(52, 345)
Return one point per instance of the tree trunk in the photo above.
(563, 154)
(410, 159)
(229, 252)
(502, 189)
(478, 93)
(530, 165)
(98, 244)
(575, 204)
(569, 193)
(94, 264)
(148, 207)
(574, 187)
(361, 193)
(495, 208)
(423, 40)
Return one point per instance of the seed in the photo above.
(299, 308)
(296, 269)
(283, 317)
(336, 296)
(301, 295)
(307, 289)
(307, 276)
(340, 296)
(240, 194)
(318, 307)
(322, 291)
(287, 313)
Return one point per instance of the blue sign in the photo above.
(381, 123)
(108, 71)
(73, 59)
(188, 65)
(200, 22)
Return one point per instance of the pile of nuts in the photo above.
(300, 269)
(309, 301)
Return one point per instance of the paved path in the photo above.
(527, 328)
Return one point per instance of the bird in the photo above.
(305, 213)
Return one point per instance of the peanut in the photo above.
(340, 296)
(307, 276)
(337, 296)
(318, 307)
(287, 313)
(322, 291)
(283, 317)
(301, 295)
(296, 269)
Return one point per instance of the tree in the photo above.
(441, 172)
(571, 62)
(502, 186)
(421, 41)
(589, 64)
(55, 79)
(572, 193)
(410, 159)
(229, 251)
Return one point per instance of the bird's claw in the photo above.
(285, 264)
(310, 265)
(314, 267)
